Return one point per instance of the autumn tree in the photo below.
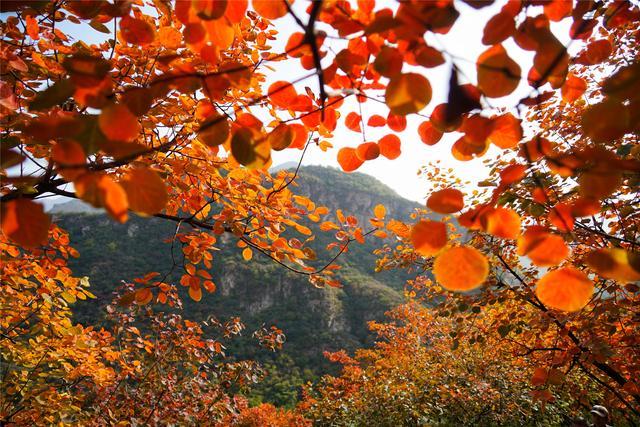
(170, 115)
(426, 370)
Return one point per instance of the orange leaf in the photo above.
(376, 121)
(136, 31)
(118, 123)
(146, 191)
(388, 62)
(247, 254)
(270, 9)
(461, 268)
(615, 264)
(282, 94)
(209, 9)
(606, 121)
(390, 146)
(499, 28)
(368, 151)
(195, 292)
(561, 216)
(408, 93)
(100, 190)
(507, 131)
(25, 222)
(465, 149)
(296, 46)
(428, 237)
(348, 159)
(143, 296)
(33, 30)
(597, 51)
(281, 137)
(194, 33)
(599, 183)
(442, 120)
(556, 10)
(300, 136)
(428, 133)
(567, 289)
(498, 74)
(428, 56)
(379, 211)
(396, 123)
(512, 173)
(250, 148)
(236, 10)
(543, 248)
(573, 88)
(68, 153)
(169, 37)
(536, 148)
(502, 222)
(214, 131)
(352, 122)
(539, 377)
(446, 201)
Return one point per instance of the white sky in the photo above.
(463, 41)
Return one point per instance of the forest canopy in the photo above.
(522, 307)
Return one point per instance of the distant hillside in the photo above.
(314, 320)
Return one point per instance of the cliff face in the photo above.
(260, 293)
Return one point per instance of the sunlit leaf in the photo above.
(136, 31)
(348, 159)
(542, 247)
(146, 191)
(379, 211)
(446, 201)
(408, 93)
(428, 237)
(461, 268)
(25, 222)
(428, 133)
(507, 131)
(498, 74)
(605, 121)
(100, 190)
(573, 88)
(368, 151)
(499, 28)
(352, 122)
(270, 9)
(118, 123)
(195, 292)
(390, 146)
(69, 153)
(614, 263)
(566, 289)
(250, 149)
(502, 222)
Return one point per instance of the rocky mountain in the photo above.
(260, 293)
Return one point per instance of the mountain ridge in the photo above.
(261, 292)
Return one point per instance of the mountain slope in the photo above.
(260, 292)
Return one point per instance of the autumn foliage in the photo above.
(171, 110)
